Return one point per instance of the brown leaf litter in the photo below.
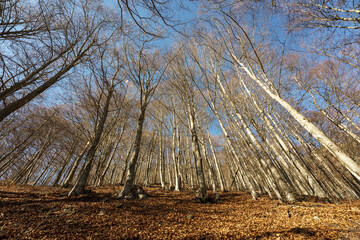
(47, 213)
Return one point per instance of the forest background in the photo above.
(259, 96)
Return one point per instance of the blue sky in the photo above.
(185, 14)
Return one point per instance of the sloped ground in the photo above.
(46, 213)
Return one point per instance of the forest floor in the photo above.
(47, 213)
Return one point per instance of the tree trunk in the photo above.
(66, 162)
(211, 171)
(161, 159)
(169, 170)
(33, 161)
(130, 177)
(125, 165)
(75, 165)
(201, 192)
(349, 163)
(79, 187)
(12, 107)
(247, 180)
(217, 167)
(101, 179)
(175, 156)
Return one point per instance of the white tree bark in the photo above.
(161, 159)
(349, 163)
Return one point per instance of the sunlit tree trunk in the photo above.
(161, 158)
(201, 193)
(169, 169)
(211, 171)
(349, 163)
(149, 156)
(267, 162)
(246, 181)
(217, 167)
(145, 70)
(175, 152)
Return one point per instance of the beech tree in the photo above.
(107, 74)
(183, 77)
(255, 70)
(325, 14)
(35, 60)
(22, 19)
(232, 107)
(145, 68)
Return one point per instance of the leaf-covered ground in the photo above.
(47, 213)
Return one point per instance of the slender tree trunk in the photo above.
(47, 180)
(43, 172)
(33, 161)
(217, 167)
(201, 192)
(349, 163)
(75, 165)
(66, 162)
(340, 125)
(189, 165)
(149, 156)
(161, 159)
(247, 180)
(211, 171)
(267, 162)
(12, 107)
(169, 169)
(22, 145)
(79, 187)
(130, 177)
(102, 177)
(125, 165)
(175, 156)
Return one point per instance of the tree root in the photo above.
(203, 197)
(136, 192)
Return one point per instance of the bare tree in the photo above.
(31, 66)
(145, 71)
(334, 23)
(107, 75)
(23, 19)
(256, 71)
(325, 14)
